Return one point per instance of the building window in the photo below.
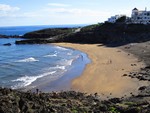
(138, 17)
(136, 13)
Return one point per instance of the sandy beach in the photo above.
(106, 74)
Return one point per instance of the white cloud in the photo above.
(7, 8)
(54, 15)
(76, 11)
(58, 5)
(30, 15)
(75, 15)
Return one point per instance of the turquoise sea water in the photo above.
(32, 66)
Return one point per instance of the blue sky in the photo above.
(56, 12)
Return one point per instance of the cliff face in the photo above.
(101, 33)
(111, 34)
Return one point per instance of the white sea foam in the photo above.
(58, 67)
(31, 59)
(61, 48)
(67, 62)
(27, 80)
(51, 55)
(69, 54)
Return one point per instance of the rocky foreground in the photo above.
(12, 101)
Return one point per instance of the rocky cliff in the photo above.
(106, 33)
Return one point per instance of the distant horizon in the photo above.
(48, 25)
(21, 30)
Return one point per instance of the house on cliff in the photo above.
(113, 19)
(140, 17)
(137, 17)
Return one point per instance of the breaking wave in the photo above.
(58, 67)
(27, 80)
(51, 55)
(31, 59)
(61, 48)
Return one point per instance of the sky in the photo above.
(61, 12)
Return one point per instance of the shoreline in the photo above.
(106, 74)
(74, 69)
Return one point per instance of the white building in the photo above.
(113, 19)
(142, 17)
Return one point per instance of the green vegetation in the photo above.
(90, 27)
(129, 103)
(74, 111)
(113, 110)
(47, 33)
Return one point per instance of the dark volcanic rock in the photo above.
(47, 33)
(142, 88)
(3, 36)
(147, 67)
(12, 101)
(32, 41)
(10, 36)
(133, 110)
(107, 33)
(115, 100)
(7, 44)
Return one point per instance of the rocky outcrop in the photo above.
(12, 101)
(10, 36)
(46, 36)
(114, 34)
(7, 44)
(47, 33)
(107, 33)
(32, 41)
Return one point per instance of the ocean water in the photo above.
(33, 66)
(21, 30)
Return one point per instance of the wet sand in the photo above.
(104, 75)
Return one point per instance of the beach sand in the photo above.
(104, 75)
